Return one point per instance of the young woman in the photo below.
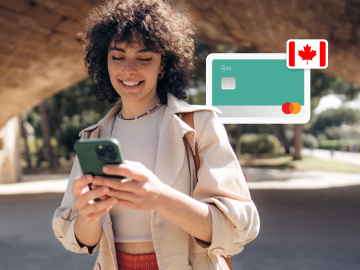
(140, 55)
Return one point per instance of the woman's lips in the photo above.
(131, 87)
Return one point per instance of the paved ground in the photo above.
(300, 229)
(27, 241)
(305, 230)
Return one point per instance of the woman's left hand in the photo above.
(144, 192)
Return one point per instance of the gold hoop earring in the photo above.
(162, 74)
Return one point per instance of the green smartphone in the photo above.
(94, 154)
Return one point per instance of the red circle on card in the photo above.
(286, 107)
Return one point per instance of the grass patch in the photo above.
(306, 164)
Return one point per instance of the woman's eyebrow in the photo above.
(122, 50)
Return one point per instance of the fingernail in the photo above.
(113, 201)
(105, 189)
(88, 177)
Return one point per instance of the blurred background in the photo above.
(304, 179)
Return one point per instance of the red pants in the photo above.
(139, 261)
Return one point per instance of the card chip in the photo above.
(228, 83)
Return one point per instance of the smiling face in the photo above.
(133, 71)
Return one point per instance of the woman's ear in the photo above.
(162, 64)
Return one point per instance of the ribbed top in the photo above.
(139, 139)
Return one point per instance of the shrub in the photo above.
(309, 140)
(321, 137)
(259, 144)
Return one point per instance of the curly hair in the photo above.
(160, 26)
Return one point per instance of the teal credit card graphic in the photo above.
(257, 88)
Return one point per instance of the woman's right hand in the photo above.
(84, 198)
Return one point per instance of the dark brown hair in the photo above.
(162, 28)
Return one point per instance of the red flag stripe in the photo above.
(292, 53)
(322, 54)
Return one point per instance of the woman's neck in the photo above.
(132, 109)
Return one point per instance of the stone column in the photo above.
(10, 153)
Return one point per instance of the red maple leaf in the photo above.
(306, 54)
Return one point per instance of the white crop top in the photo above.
(139, 141)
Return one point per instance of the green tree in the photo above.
(335, 117)
(323, 84)
(69, 112)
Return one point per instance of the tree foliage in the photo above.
(335, 117)
(82, 109)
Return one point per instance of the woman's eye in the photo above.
(145, 59)
(115, 58)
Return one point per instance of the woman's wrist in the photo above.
(87, 221)
(87, 232)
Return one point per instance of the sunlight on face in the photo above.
(133, 70)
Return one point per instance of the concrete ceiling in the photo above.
(40, 54)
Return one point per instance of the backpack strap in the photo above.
(188, 118)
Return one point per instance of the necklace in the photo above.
(121, 117)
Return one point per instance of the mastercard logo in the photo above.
(293, 108)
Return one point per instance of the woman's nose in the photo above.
(129, 67)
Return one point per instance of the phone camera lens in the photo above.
(112, 156)
(110, 148)
(102, 152)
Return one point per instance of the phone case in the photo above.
(94, 154)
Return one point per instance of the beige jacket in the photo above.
(221, 185)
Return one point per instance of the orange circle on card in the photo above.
(296, 108)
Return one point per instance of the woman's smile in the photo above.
(131, 85)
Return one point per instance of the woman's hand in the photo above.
(144, 192)
(84, 199)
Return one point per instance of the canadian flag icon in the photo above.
(307, 53)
